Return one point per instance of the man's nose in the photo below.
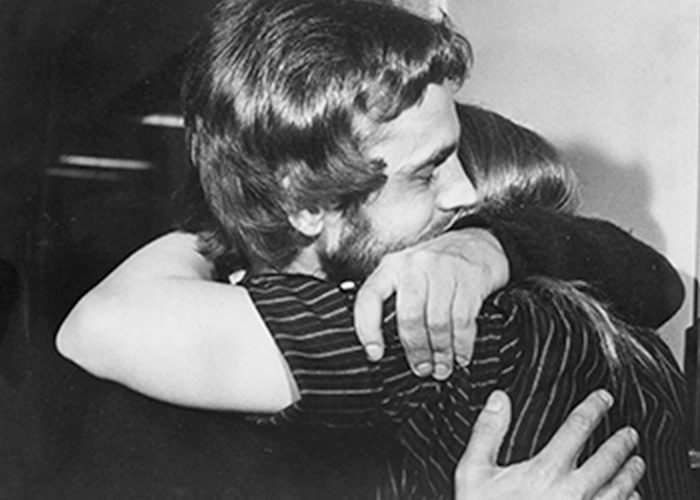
(456, 190)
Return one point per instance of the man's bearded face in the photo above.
(425, 188)
(359, 248)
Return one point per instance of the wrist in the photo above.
(483, 247)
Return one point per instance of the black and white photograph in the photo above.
(349, 250)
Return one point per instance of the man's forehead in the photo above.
(419, 133)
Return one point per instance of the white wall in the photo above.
(615, 85)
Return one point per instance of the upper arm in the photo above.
(156, 325)
(639, 283)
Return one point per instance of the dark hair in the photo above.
(281, 96)
(511, 166)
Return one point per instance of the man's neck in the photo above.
(306, 262)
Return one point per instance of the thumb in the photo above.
(487, 435)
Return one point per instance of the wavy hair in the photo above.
(279, 99)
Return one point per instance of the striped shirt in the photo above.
(547, 363)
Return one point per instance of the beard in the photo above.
(359, 250)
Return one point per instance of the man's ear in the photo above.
(307, 222)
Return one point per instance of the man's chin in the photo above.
(356, 259)
(338, 269)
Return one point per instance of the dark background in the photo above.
(75, 77)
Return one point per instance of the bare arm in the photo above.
(640, 285)
(160, 326)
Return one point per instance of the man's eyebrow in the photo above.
(435, 159)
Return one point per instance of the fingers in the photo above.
(605, 464)
(411, 287)
(464, 313)
(440, 325)
(427, 316)
(368, 310)
(437, 302)
(487, 435)
(565, 446)
(623, 484)
(411, 319)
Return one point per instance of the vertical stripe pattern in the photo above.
(546, 361)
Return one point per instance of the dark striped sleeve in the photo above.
(311, 322)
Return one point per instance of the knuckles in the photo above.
(582, 423)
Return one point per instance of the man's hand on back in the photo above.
(440, 286)
(552, 474)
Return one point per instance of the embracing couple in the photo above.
(400, 257)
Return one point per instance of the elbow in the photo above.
(68, 338)
(675, 294)
(671, 296)
(84, 337)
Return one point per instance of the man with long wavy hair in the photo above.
(326, 142)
